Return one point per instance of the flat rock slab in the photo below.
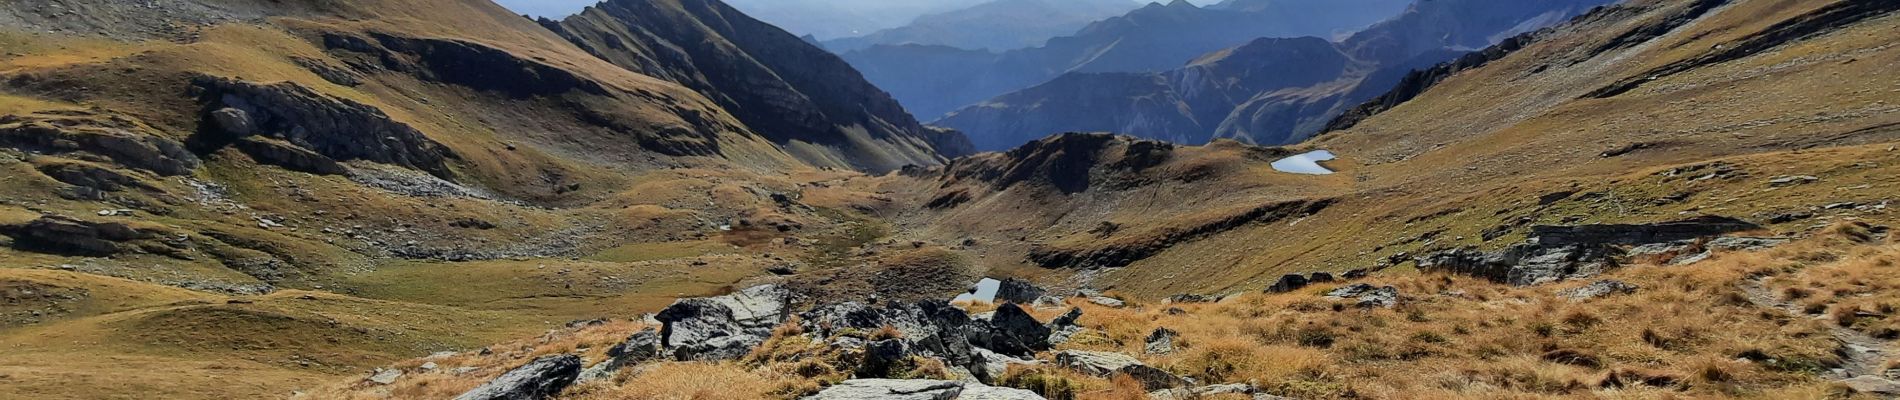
(977, 392)
(1873, 385)
(891, 389)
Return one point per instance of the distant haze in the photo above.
(826, 19)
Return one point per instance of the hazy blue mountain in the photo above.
(1156, 37)
(995, 25)
(831, 19)
(1268, 91)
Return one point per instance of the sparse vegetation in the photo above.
(581, 190)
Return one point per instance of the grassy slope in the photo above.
(1465, 158)
(1477, 151)
(127, 342)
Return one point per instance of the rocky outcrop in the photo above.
(1638, 234)
(1105, 364)
(1069, 163)
(1123, 253)
(56, 234)
(1525, 264)
(1288, 283)
(1366, 295)
(290, 156)
(1556, 253)
(928, 329)
(1598, 289)
(90, 175)
(1018, 291)
(335, 128)
(1013, 331)
(89, 135)
(991, 366)
(540, 379)
(1161, 341)
(1064, 327)
(722, 327)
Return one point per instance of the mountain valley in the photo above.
(670, 199)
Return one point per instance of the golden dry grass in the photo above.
(1689, 332)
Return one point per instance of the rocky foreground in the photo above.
(1033, 345)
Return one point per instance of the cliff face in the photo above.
(1267, 91)
(796, 95)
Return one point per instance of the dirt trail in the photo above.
(1861, 355)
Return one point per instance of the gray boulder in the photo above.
(1321, 277)
(385, 377)
(1106, 364)
(1598, 289)
(1018, 291)
(1161, 341)
(1013, 331)
(1106, 301)
(1288, 283)
(891, 389)
(884, 357)
(930, 329)
(1367, 295)
(234, 121)
(1097, 363)
(539, 379)
(991, 366)
(722, 327)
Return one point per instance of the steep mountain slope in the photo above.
(799, 96)
(1153, 38)
(1266, 91)
(1475, 152)
(997, 25)
(338, 185)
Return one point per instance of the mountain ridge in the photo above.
(997, 25)
(1152, 38)
(1204, 103)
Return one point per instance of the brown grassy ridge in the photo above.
(1689, 332)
